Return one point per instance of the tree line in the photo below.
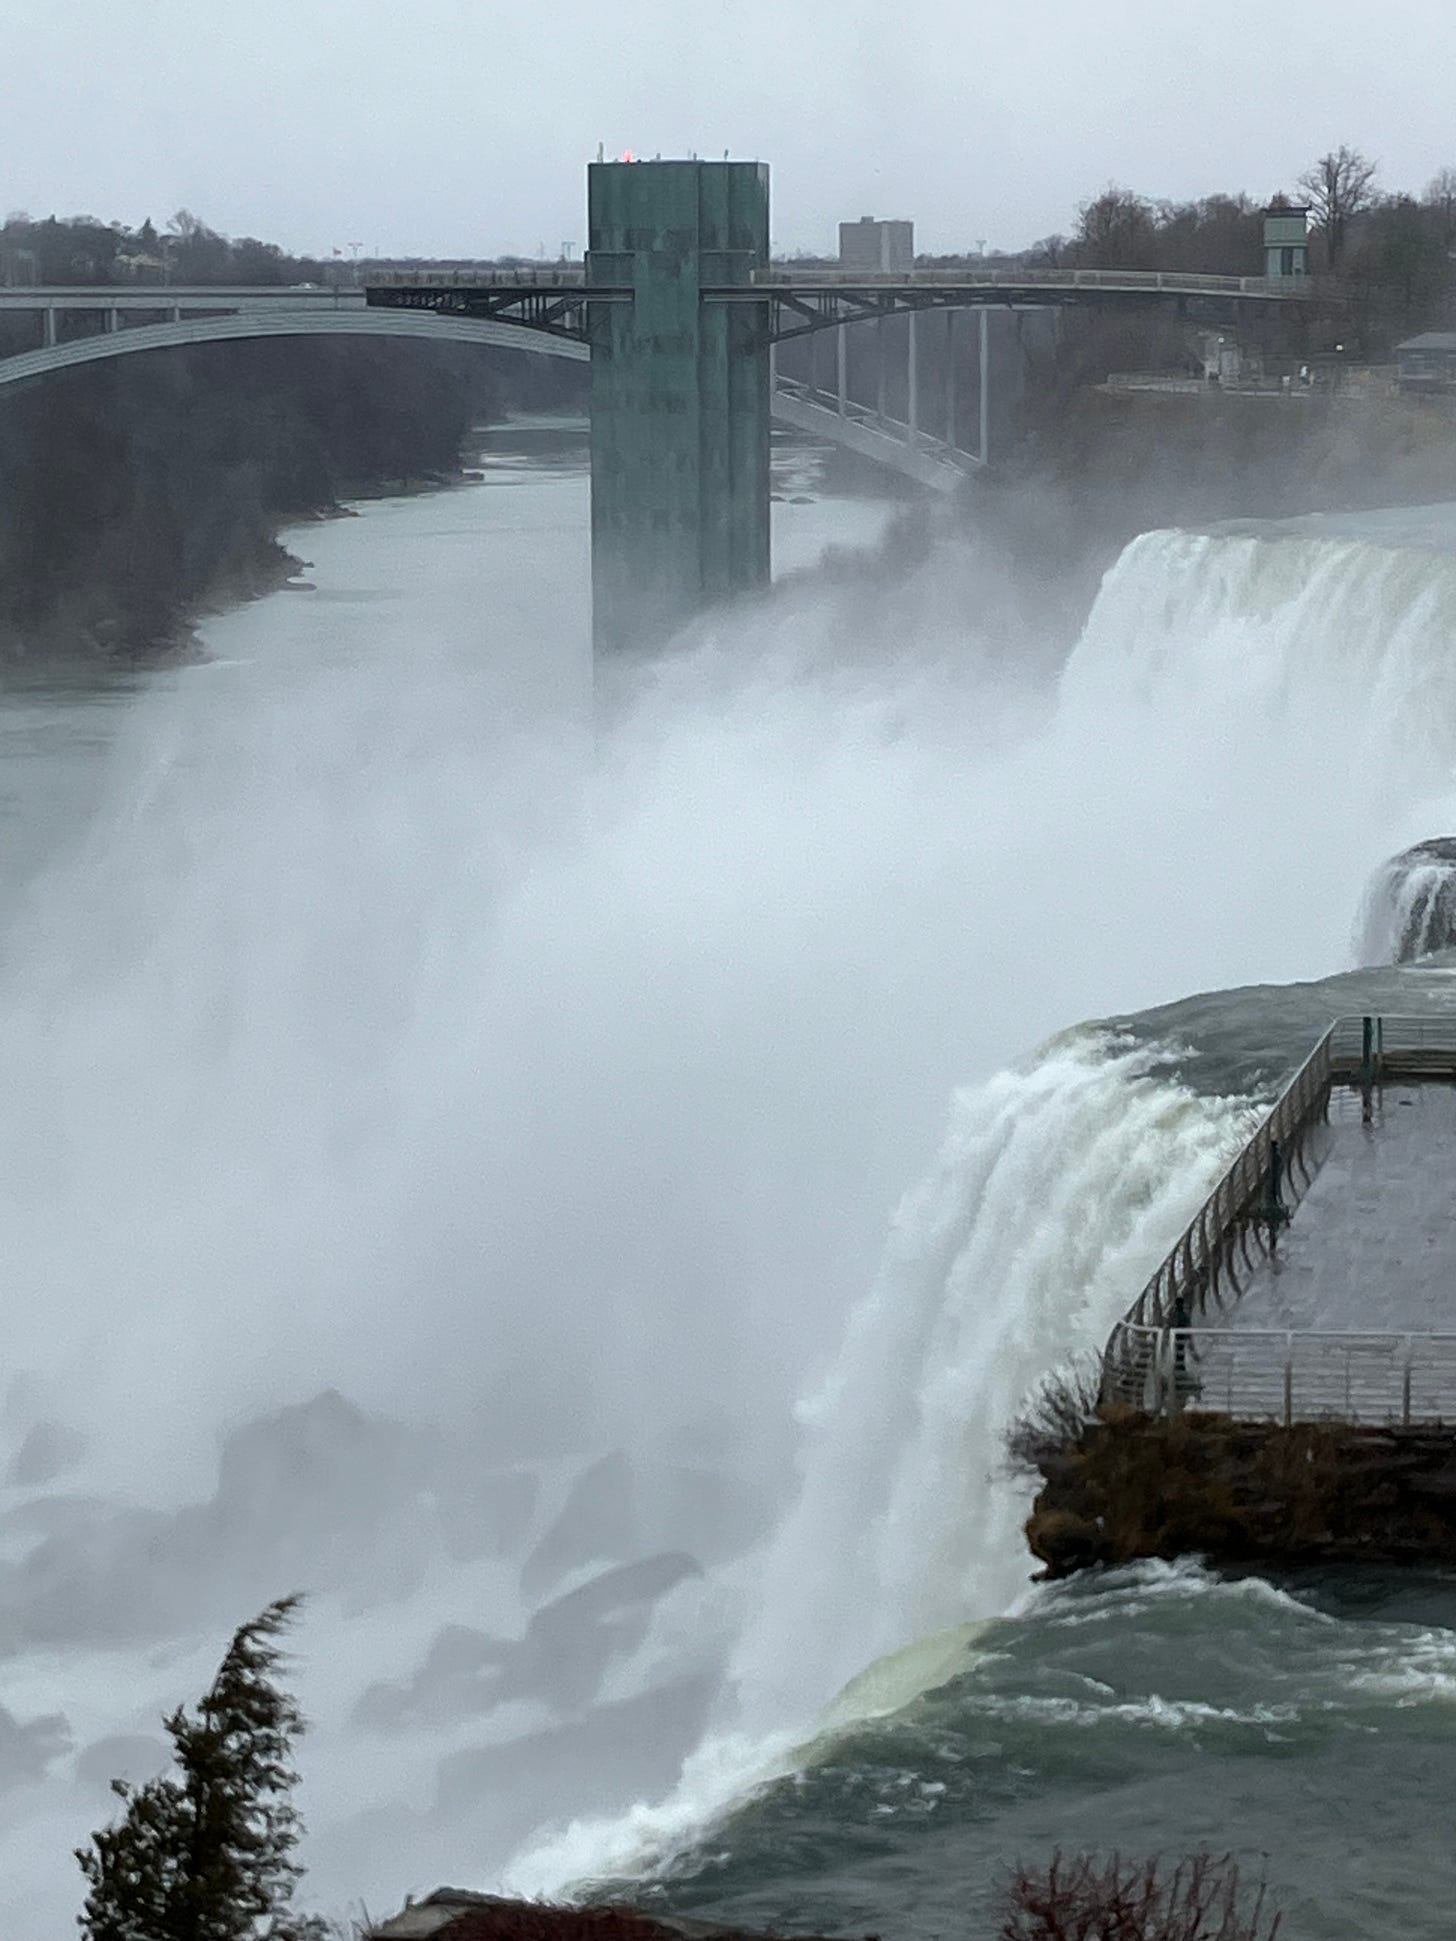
(1391, 249)
(86, 250)
(185, 250)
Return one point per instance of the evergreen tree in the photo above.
(205, 1853)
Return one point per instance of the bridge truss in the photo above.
(797, 301)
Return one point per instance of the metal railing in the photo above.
(1265, 1375)
(1173, 381)
(1246, 1207)
(565, 276)
(574, 276)
(1019, 279)
(871, 418)
(1246, 1211)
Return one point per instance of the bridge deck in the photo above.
(1372, 1244)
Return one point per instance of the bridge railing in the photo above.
(864, 414)
(1263, 1375)
(568, 276)
(573, 276)
(1246, 1209)
(1063, 279)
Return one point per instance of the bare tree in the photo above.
(1083, 1898)
(1441, 195)
(1339, 186)
(1055, 1417)
(1116, 230)
(1048, 252)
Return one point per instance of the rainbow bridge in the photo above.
(680, 310)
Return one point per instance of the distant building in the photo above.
(877, 247)
(1286, 239)
(1427, 362)
(137, 266)
(1223, 360)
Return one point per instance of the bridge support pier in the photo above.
(912, 381)
(983, 432)
(680, 395)
(950, 378)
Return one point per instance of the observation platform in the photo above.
(1371, 1242)
(1318, 1281)
(1283, 1391)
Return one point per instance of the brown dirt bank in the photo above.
(1255, 1493)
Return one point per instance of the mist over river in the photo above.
(582, 1196)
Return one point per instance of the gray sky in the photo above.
(449, 127)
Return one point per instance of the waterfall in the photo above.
(549, 1104)
(1253, 715)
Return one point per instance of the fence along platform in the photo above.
(1175, 1349)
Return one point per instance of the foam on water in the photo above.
(1242, 667)
(1057, 1188)
(383, 1038)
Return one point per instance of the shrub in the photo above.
(1055, 1417)
(1089, 1898)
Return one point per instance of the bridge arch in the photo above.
(312, 322)
(272, 314)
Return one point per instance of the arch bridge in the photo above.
(148, 317)
(682, 307)
(679, 309)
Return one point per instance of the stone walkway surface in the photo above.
(1372, 1243)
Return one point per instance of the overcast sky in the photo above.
(460, 127)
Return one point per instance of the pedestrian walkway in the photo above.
(1371, 1245)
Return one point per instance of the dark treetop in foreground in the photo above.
(205, 1853)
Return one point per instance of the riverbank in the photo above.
(145, 494)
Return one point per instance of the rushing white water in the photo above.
(1243, 666)
(384, 1036)
(1409, 908)
(1054, 1192)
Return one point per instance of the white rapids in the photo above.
(379, 1035)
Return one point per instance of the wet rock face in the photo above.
(629, 1749)
(319, 1494)
(574, 1655)
(619, 1510)
(48, 1451)
(598, 1520)
(1410, 906)
(302, 1496)
(560, 1663)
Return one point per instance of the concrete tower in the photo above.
(680, 394)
